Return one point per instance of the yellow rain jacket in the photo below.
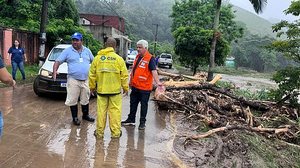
(108, 72)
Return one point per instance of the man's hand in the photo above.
(125, 93)
(54, 76)
(13, 84)
(92, 91)
(55, 68)
(159, 84)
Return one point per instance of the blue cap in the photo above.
(77, 36)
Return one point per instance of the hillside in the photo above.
(254, 23)
(150, 13)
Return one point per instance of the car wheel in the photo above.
(35, 87)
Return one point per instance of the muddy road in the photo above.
(38, 132)
(249, 83)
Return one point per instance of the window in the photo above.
(169, 56)
(55, 53)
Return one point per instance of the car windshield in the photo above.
(134, 52)
(55, 53)
(166, 56)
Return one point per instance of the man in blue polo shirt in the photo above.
(78, 58)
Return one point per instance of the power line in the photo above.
(109, 5)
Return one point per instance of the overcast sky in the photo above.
(274, 9)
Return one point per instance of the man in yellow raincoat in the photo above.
(108, 74)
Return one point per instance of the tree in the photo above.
(20, 14)
(199, 13)
(192, 45)
(288, 79)
(251, 52)
(257, 5)
(64, 9)
(62, 22)
(290, 45)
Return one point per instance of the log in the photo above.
(249, 117)
(163, 73)
(172, 83)
(170, 100)
(239, 127)
(254, 105)
(211, 104)
(287, 97)
(216, 78)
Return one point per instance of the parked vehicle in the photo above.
(44, 82)
(165, 59)
(131, 57)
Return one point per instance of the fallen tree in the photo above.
(223, 111)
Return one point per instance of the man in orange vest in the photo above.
(141, 79)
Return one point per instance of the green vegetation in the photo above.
(193, 32)
(162, 47)
(194, 13)
(192, 44)
(141, 15)
(288, 79)
(227, 70)
(257, 5)
(250, 95)
(63, 20)
(250, 22)
(270, 153)
(251, 52)
(262, 94)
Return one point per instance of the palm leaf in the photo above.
(258, 5)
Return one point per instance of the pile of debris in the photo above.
(221, 110)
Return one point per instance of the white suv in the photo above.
(131, 57)
(165, 59)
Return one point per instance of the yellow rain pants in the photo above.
(112, 106)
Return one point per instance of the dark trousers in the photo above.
(137, 96)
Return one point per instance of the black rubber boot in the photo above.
(74, 111)
(85, 112)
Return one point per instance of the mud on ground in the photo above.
(234, 148)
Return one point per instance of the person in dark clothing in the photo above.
(141, 79)
(17, 56)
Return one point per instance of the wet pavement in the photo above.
(38, 133)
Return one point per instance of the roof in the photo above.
(105, 20)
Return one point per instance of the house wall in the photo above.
(99, 32)
(29, 41)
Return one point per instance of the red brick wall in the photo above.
(7, 42)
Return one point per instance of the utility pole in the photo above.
(43, 39)
(155, 39)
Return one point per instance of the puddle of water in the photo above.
(38, 132)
